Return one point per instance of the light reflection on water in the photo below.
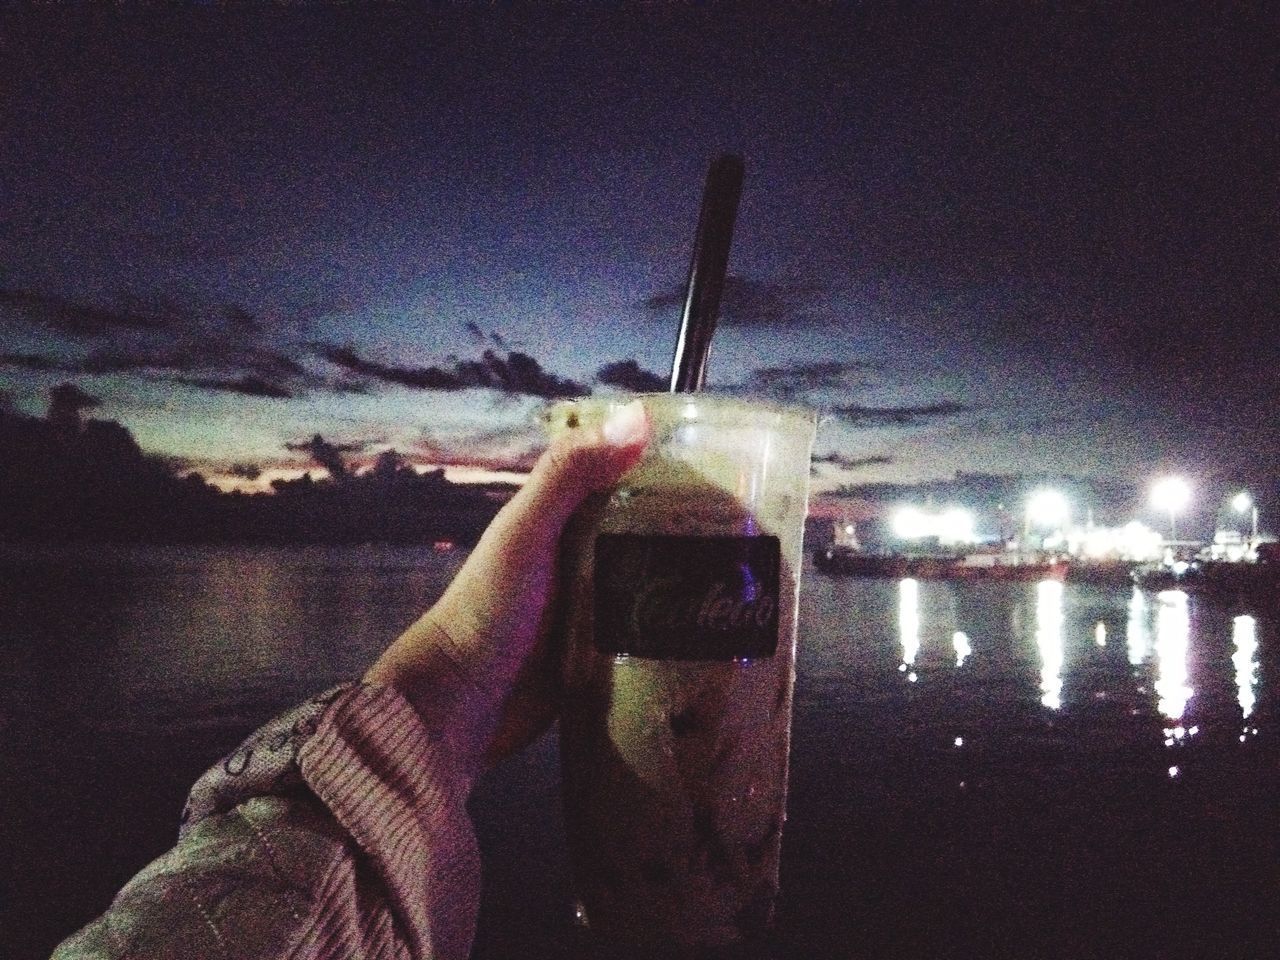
(1136, 634)
(1071, 654)
(909, 624)
(1020, 745)
(1244, 634)
(1173, 637)
(1049, 640)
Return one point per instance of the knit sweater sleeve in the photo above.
(337, 830)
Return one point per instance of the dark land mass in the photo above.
(69, 479)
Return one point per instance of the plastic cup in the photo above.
(682, 587)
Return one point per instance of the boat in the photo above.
(838, 560)
(1214, 579)
(1102, 573)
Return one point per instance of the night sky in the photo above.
(1020, 240)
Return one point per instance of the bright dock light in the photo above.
(949, 527)
(910, 524)
(1171, 495)
(1243, 503)
(956, 526)
(1048, 508)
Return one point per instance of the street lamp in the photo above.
(1171, 495)
(1243, 503)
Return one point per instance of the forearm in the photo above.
(337, 830)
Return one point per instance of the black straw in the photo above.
(707, 273)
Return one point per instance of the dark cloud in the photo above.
(245, 471)
(515, 448)
(350, 446)
(215, 349)
(350, 387)
(481, 337)
(249, 386)
(629, 375)
(264, 362)
(793, 379)
(908, 416)
(30, 361)
(846, 491)
(1020, 424)
(83, 319)
(420, 378)
(517, 373)
(272, 380)
(241, 318)
(327, 455)
(852, 463)
(66, 401)
(750, 303)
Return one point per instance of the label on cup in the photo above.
(686, 598)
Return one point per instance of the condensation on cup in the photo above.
(682, 587)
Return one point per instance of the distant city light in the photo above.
(1243, 504)
(1048, 508)
(910, 524)
(956, 526)
(1171, 495)
(1138, 541)
(1133, 541)
(952, 526)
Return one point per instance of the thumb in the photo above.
(581, 461)
(518, 549)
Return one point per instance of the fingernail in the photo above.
(625, 425)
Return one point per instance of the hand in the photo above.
(476, 666)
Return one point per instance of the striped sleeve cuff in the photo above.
(395, 788)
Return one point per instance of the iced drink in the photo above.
(679, 664)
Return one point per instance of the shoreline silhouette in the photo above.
(69, 478)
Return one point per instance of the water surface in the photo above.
(1020, 770)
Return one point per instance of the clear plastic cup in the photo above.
(682, 587)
